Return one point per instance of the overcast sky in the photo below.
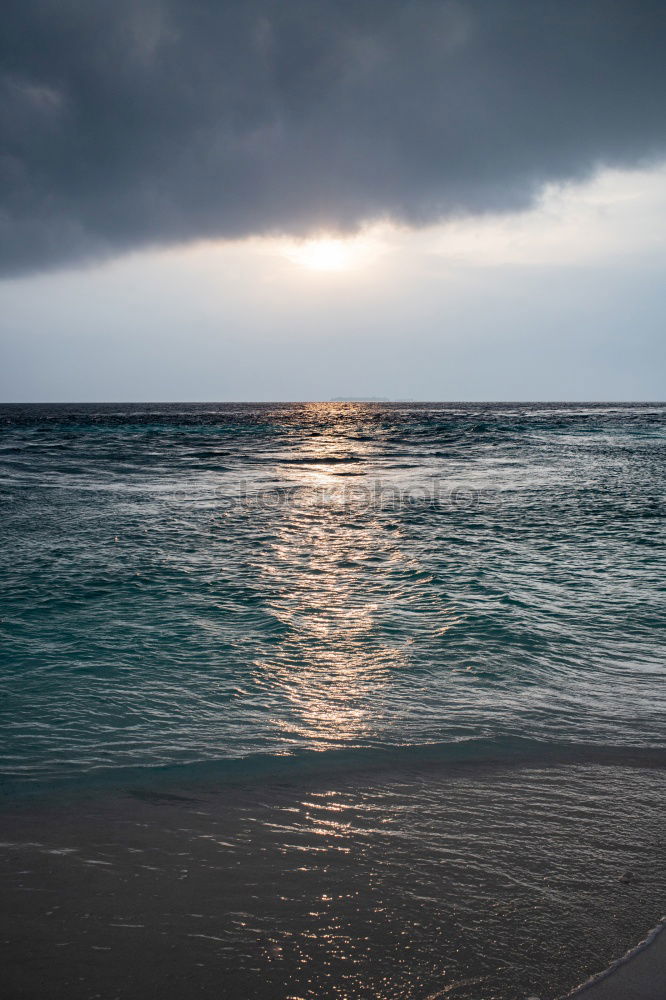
(252, 199)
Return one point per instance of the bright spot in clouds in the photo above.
(331, 253)
(322, 255)
(612, 215)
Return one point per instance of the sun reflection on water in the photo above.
(347, 600)
(332, 660)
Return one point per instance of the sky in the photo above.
(304, 199)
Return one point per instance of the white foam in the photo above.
(643, 989)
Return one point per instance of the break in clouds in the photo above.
(125, 123)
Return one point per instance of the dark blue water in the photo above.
(198, 584)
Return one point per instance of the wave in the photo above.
(322, 459)
(340, 763)
(640, 976)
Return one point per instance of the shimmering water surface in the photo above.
(192, 583)
(497, 884)
(330, 700)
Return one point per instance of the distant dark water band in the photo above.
(311, 765)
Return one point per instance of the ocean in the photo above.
(384, 683)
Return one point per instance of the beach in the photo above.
(482, 883)
(638, 975)
(332, 500)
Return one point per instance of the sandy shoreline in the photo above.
(499, 885)
(638, 975)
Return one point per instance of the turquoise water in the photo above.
(205, 584)
(335, 702)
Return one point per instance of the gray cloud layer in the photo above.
(130, 122)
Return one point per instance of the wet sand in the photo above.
(495, 884)
(639, 975)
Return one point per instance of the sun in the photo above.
(330, 252)
(322, 254)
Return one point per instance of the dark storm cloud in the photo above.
(130, 122)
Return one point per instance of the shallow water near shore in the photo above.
(330, 700)
(480, 883)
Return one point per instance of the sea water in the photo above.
(352, 602)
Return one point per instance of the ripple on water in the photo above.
(190, 583)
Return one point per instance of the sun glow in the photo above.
(323, 255)
(332, 253)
